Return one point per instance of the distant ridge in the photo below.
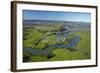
(53, 21)
(81, 25)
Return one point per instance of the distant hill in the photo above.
(70, 24)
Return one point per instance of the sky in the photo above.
(56, 16)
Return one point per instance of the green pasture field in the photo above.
(37, 38)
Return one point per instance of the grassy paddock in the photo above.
(32, 36)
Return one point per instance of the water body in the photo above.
(47, 51)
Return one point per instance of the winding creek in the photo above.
(47, 51)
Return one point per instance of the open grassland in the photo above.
(36, 38)
(83, 49)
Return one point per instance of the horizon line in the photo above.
(56, 20)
